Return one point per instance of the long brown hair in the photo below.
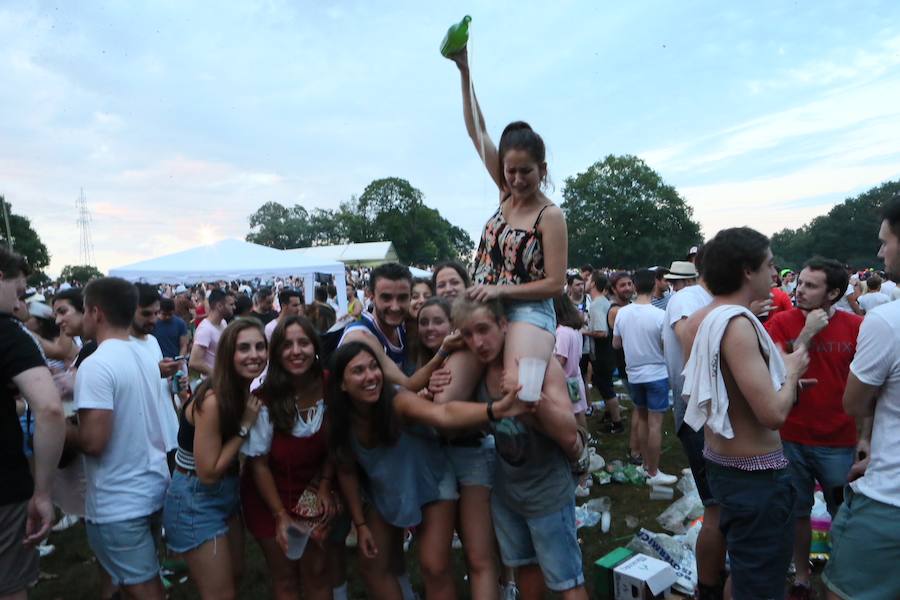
(231, 390)
(278, 390)
(384, 422)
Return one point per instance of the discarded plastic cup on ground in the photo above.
(661, 492)
(297, 538)
(601, 504)
(531, 378)
(605, 519)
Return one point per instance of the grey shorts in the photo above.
(18, 564)
(865, 549)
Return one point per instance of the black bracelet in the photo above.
(490, 410)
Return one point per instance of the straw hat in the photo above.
(682, 269)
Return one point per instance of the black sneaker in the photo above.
(615, 427)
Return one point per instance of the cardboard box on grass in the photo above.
(643, 577)
(604, 585)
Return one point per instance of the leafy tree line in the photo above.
(388, 209)
(847, 233)
(620, 213)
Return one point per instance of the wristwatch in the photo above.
(243, 432)
(490, 410)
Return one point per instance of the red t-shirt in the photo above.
(781, 303)
(819, 419)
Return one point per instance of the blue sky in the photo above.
(180, 119)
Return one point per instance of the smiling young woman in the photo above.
(202, 513)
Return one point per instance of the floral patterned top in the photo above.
(509, 256)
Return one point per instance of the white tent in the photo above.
(230, 260)
(370, 254)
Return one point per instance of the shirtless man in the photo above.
(746, 468)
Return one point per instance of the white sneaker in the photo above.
(662, 479)
(64, 523)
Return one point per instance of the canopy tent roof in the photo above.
(364, 253)
(226, 260)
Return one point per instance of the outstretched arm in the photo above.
(475, 126)
(414, 382)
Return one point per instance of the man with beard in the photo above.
(818, 437)
(622, 288)
(146, 317)
(865, 533)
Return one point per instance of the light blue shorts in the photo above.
(539, 313)
(549, 541)
(196, 513)
(127, 549)
(473, 465)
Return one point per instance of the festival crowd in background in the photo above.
(174, 420)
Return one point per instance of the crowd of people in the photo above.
(174, 419)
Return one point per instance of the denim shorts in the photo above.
(447, 488)
(196, 513)
(828, 466)
(549, 541)
(539, 313)
(652, 395)
(865, 549)
(757, 520)
(127, 549)
(473, 465)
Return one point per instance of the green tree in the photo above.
(26, 241)
(397, 212)
(388, 209)
(80, 273)
(620, 213)
(848, 232)
(280, 227)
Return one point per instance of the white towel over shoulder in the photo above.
(704, 388)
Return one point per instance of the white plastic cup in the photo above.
(661, 492)
(531, 378)
(297, 538)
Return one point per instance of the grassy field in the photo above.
(71, 572)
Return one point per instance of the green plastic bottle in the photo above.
(456, 38)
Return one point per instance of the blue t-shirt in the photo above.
(168, 334)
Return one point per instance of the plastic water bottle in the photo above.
(457, 37)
